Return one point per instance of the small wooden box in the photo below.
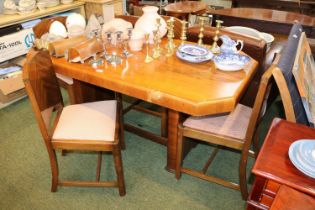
(100, 7)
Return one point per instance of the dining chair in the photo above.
(94, 126)
(139, 105)
(238, 129)
(235, 131)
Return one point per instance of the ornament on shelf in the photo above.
(9, 7)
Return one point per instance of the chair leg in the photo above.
(179, 154)
(118, 97)
(242, 174)
(54, 170)
(99, 166)
(63, 152)
(119, 170)
(164, 123)
(256, 142)
(71, 94)
(122, 133)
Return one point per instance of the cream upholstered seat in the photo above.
(232, 125)
(88, 121)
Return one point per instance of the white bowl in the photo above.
(268, 38)
(245, 31)
(58, 29)
(75, 19)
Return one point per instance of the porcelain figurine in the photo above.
(92, 26)
(9, 7)
(229, 46)
(26, 6)
(147, 22)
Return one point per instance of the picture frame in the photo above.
(304, 75)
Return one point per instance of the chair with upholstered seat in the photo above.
(234, 130)
(91, 126)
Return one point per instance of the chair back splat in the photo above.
(43, 89)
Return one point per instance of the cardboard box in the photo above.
(12, 87)
(16, 44)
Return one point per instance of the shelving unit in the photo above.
(7, 20)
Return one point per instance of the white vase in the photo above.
(147, 22)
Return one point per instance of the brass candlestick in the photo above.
(183, 36)
(170, 35)
(156, 50)
(148, 58)
(158, 26)
(214, 47)
(202, 28)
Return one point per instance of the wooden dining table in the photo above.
(183, 88)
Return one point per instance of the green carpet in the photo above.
(25, 172)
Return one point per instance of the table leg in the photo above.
(173, 121)
(174, 118)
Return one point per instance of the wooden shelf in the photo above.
(7, 20)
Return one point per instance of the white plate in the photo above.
(193, 50)
(297, 158)
(230, 62)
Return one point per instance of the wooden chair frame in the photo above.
(233, 143)
(44, 108)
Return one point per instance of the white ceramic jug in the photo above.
(147, 22)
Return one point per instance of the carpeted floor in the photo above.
(25, 172)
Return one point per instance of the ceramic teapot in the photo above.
(230, 46)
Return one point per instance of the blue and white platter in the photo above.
(193, 50)
(193, 53)
(302, 155)
(230, 62)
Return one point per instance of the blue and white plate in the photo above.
(193, 50)
(302, 155)
(230, 62)
(194, 59)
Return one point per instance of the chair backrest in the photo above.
(43, 27)
(43, 89)
(260, 105)
(177, 23)
(285, 80)
(256, 48)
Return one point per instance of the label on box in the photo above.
(16, 44)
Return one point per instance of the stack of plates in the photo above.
(193, 53)
(302, 155)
